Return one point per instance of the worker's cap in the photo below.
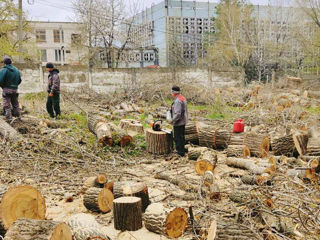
(175, 89)
(49, 65)
(7, 60)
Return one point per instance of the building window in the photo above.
(41, 36)
(75, 38)
(56, 36)
(58, 54)
(43, 55)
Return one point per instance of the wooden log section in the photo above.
(221, 138)
(131, 125)
(98, 200)
(313, 147)
(215, 193)
(9, 132)
(88, 233)
(258, 144)
(101, 129)
(101, 180)
(255, 180)
(127, 213)
(192, 133)
(131, 188)
(236, 139)
(206, 134)
(26, 229)
(171, 222)
(300, 142)
(206, 162)
(283, 145)
(20, 202)
(236, 151)
(248, 164)
(195, 152)
(158, 142)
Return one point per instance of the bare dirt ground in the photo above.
(57, 159)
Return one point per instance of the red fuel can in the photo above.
(238, 126)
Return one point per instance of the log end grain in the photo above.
(176, 223)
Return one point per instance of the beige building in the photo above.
(58, 42)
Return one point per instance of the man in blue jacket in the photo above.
(10, 79)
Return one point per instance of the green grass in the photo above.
(41, 96)
(314, 110)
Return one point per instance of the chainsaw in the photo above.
(156, 126)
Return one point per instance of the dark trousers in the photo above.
(179, 139)
(10, 103)
(53, 103)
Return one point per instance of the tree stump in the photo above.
(131, 125)
(206, 162)
(164, 220)
(283, 145)
(98, 200)
(127, 213)
(131, 188)
(192, 133)
(20, 202)
(258, 144)
(195, 152)
(158, 142)
(26, 229)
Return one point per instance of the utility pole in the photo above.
(20, 30)
(61, 46)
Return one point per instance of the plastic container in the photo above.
(238, 126)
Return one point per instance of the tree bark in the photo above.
(166, 221)
(131, 125)
(258, 144)
(100, 128)
(98, 200)
(192, 133)
(236, 139)
(236, 151)
(313, 147)
(25, 229)
(248, 164)
(283, 145)
(158, 142)
(300, 142)
(215, 193)
(131, 188)
(9, 132)
(20, 202)
(127, 213)
(195, 152)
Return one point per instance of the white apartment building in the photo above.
(58, 42)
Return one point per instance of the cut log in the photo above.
(248, 164)
(255, 180)
(131, 188)
(283, 145)
(221, 138)
(313, 147)
(208, 178)
(101, 129)
(166, 221)
(258, 144)
(211, 137)
(192, 133)
(195, 152)
(25, 229)
(127, 213)
(9, 132)
(239, 197)
(20, 202)
(236, 139)
(215, 193)
(101, 180)
(119, 136)
(131, 125)
(300, 142)
(98, 200)
(236, 151)
(84, 226)
(158, 142)
(206, 162)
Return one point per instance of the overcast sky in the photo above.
(61, 10)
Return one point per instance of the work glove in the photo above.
(51, 94)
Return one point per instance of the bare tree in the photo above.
(107, 26)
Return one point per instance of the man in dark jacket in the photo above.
(53, 100)
(179, 113)
(10, 79)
